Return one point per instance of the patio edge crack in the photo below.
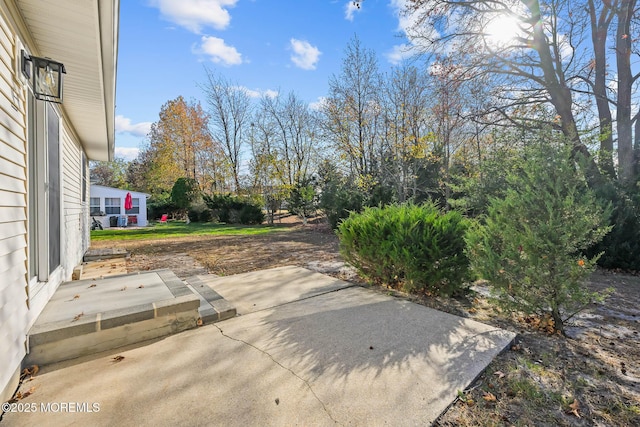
(283, 367)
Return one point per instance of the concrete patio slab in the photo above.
(349, 357)
(259, 290)
(103, 268)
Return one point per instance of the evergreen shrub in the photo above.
(234, 209)
(417, 248)
(531, 246)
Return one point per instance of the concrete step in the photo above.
(104, 253)
(213, 307)
(90, 316)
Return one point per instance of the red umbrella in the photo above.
(128, 202)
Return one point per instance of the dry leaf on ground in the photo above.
(573, 408)
(118, 358)
(489, 397)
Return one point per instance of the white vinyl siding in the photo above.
(13, 204)
(75, 212)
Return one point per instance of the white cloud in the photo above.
(124, 125)
(127, 153)
(304, 55)
(196, 14)
(257, 93)
(405, 20)
(399, 53)
(350, 8)
(319, 104)
(270, 93)
(219, 52)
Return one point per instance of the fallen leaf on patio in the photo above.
(573, 408)
(28, 392)
(141, 286)
(199, 321)
(26, 372)
(499, 374)
(76, 296)
(277, 401)
(93, 285)
(489, 397)
(124, 288)
(117, 359)
(78, 316)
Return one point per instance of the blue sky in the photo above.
(261, 45)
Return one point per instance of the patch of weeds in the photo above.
(526, 389)
(622, 412)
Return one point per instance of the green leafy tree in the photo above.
(184, 193)
(302, 200)
(110, 174)
(532, 243)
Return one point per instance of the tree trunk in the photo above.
(599, 31)
(625, 82)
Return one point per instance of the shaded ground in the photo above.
(593, 378)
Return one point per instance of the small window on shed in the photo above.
(112, 205)
(94, 206)
(135, 206)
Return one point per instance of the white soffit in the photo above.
(83, 35)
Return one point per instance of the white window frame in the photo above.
(110, 206)
(135, 207)
(92, 205)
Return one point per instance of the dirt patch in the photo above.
(589, 379)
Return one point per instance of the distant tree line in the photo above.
(447, 128)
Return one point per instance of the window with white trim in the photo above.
(135, 206)
(112, 205)
(94, 206)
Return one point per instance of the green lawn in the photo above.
(180, 229)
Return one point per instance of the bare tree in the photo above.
(230, 116)
(406, 104)
(550, 60)
(352, 111)
(293, 136)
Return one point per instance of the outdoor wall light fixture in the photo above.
(45, 75)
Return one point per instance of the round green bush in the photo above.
(414, 247)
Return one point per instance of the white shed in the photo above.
(107, 202)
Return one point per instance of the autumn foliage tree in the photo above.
(179, 146)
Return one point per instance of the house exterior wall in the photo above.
(102, 192)
(75, 209)
(22, 302)
(13, 205)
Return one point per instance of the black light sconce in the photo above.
(45, 75)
